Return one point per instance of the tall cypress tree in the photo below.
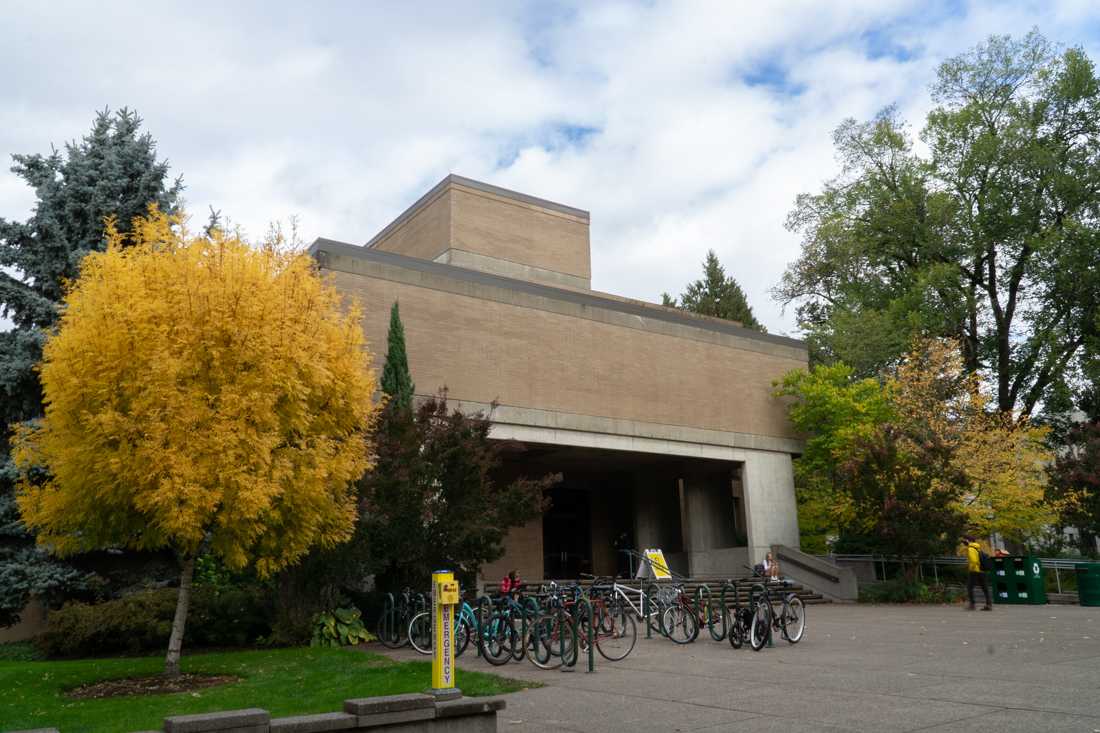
(112, 171)
(716, 295)
(397, 381)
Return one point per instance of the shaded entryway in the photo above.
(610, 500)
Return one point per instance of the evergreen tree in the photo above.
(435, 497)
(397, 381)
(111, 171)
(716, 295)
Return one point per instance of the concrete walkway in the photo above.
(859, 668)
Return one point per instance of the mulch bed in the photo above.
(153, 685)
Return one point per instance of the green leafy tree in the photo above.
(990, 238)
(887, 462)
(834, 411)
(716, 294)
(397, 381)
(113, 170)
(905, 495)
(434, 498)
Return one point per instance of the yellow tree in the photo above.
(1001, 461)
(1006, 463)
(202, 395)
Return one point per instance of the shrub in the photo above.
(341, 627)
(902, 591)
(232, 617)
(19, 651)
(142, 621)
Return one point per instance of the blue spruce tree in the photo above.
(112, 171)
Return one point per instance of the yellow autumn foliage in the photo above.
(1002, 458)
(199, 392)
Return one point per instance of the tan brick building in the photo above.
(662, 422)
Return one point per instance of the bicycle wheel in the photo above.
(793, 619)
(614, 644)
(498, 640)
(760, 626)
(518, 629)
(679, 624)
(737, 629)
(717, 620)
(607, 615)
(463, 633)
(546, 637)
(420, 632)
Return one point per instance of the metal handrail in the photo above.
(1057, 564)
(1047, 562)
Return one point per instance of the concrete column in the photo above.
(771, 512)
(657, 516)
(698, 514)
(646, 519)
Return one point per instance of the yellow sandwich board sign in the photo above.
(655, 561)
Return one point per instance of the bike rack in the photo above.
(651, 591)
(389, 614)
(591, 633)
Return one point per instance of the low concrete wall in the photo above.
(864, 569)
(414, 713)
(835, 583)
(727, 561)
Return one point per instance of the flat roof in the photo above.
(589, 298)
(452, 179)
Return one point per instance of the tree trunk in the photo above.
(183, 601)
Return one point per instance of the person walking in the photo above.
(975, 574)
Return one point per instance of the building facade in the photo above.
(661, 422)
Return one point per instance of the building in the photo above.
(662, 422)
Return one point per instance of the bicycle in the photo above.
(679, 620)
(550, 639)
(791, 619)
(393, 624)
(636, 599)
(466, 627)
(614, 631)
(503, 636)
(758, 619)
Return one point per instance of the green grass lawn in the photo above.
(282, 681)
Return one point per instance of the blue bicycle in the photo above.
(467, 627)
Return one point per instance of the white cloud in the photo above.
(708, 118)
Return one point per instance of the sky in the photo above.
(681, 126)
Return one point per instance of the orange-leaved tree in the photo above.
(202, 395)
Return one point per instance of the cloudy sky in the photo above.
(681, 126)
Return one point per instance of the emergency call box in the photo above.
(448, 593)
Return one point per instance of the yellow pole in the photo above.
(444, 600)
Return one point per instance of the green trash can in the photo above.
(1088, 583)
(1019, 579)
(1000, 582)
(1031, 587)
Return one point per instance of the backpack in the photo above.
(985, 562)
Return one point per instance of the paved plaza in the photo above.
(859, 668)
